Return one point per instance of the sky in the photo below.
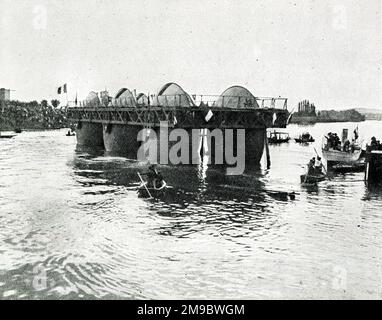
(329, 52)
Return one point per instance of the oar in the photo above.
(306, 176)
(144, 184)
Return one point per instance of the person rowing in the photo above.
(314, 173)
(318, 165)
(154, 178)
(311, 166)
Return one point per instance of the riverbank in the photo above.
(15, 115)
(326, 116)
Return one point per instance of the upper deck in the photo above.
(186, 111)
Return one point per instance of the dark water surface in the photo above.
(72, 226)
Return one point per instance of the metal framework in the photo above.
(187, 118)
(181, 111)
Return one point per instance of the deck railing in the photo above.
(185, 100)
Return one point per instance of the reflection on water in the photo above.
(73, 226)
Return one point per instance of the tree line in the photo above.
(15, 115)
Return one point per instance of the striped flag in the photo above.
(356, 135)
(62, 89)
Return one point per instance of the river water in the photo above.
(72, 226)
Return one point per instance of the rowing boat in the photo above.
(7, 136)
(145, 191)
(358, 166)
(312, 178)
(304, 140)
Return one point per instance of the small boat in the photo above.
(151, 192)
(275, 137)
(312, 178)
(358, 166)
(343, 152)
(304, 138)
(6, 136)
(345, 157)
(70, 133)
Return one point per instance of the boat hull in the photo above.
(274, 141)
(358, 166)
(304, 140)
(312, 178)
(341, 156)
(155, 193)
(7, 136)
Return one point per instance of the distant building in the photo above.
(306, 108)
(306, 113)
(5, 94)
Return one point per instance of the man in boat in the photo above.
(306, 136)
(346, 146)
(330, 140)
(352, 145)
(318, 165)
(311, 166)
(337, 142)
(154, 178)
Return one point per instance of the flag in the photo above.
(62, 89)
(208, 115)
(356, 133)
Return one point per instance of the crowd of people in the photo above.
(334, 142)
(375, 144)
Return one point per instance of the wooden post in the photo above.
(267, 149)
